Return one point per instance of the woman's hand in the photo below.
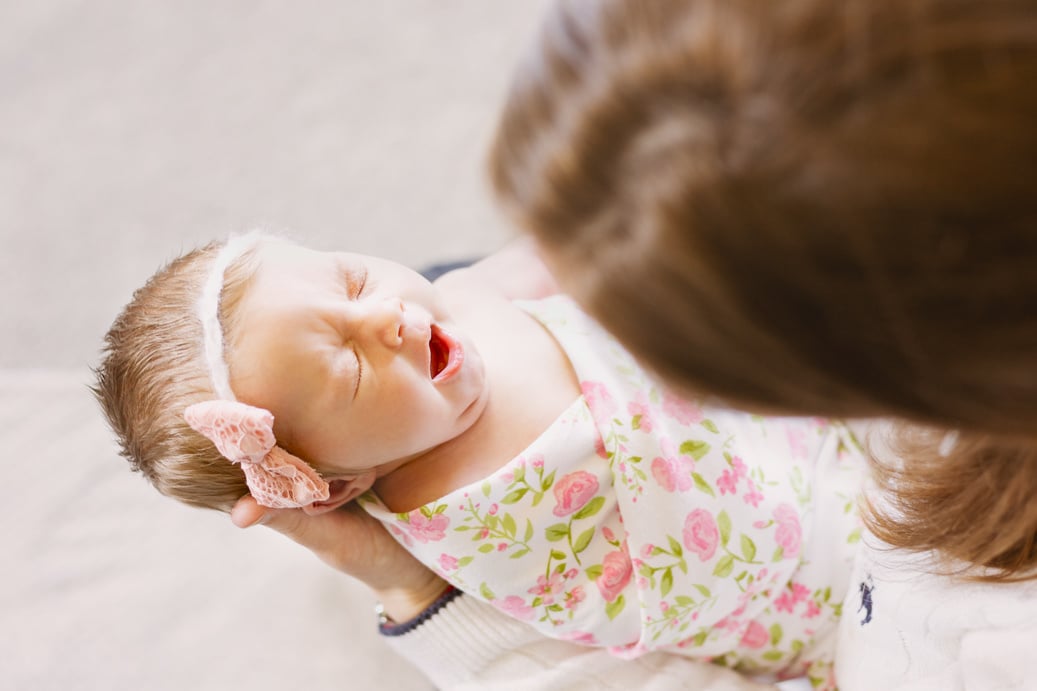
(351, 541)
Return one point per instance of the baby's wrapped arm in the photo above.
(467, 644)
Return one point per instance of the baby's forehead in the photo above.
(290, 255)
(285, 265)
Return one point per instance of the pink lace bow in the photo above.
(245, 434)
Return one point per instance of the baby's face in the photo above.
(355, 357)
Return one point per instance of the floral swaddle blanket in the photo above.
(642, 521)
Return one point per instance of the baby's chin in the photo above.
(477, 385)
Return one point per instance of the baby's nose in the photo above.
(387, 321)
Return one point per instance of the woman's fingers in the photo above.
(351, 541)
(329, 531)
(347, 539)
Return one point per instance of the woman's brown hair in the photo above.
(811, 207)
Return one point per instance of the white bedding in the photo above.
(104, 584)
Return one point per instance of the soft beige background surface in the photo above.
(130, 131)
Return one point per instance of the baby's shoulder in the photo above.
(513, 273)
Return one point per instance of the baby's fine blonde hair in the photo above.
(153, 366)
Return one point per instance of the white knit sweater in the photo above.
(470, 646)
(906, 629)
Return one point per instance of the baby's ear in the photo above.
(342, 491)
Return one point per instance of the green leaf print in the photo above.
(724, 524)
(486, 548)
(508, 524)
(666, 583)
(486, 489)
(613, 608)
(514, 496)
(520, 553)
(485, 591)
(710, 425)
(594, 571)
(703, 589)
(592, 507)
(702, 485)
(675, 547)
(724, 566)
(748, 548)
(773, 655)
(556, 532)
(583, 540)
(529, 530)
(695, 449)
(775, 634)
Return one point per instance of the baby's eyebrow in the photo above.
(351, 272)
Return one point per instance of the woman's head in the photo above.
(806, 206)
(811, 207)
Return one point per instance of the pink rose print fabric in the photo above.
(641, 521)
(573, 491)
(616, 570)
(427, 528)
(701, 534)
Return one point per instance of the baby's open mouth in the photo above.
(446, 355)
(440, 350)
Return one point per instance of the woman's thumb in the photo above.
(246, 512)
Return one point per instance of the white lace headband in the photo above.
(244, 434)
(209, 311)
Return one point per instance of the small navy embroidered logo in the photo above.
(866, 588)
